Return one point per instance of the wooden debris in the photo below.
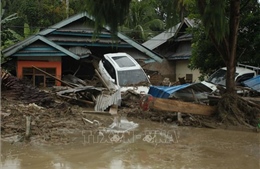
(113, 110)
(102, 80)
(255, 101)
(18, 89)
(28, 127)
(149, 102)
(84, 94)
(97, 112)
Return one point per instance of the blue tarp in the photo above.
(253, 83)
(165, 91)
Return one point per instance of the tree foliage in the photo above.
(207, 59)
(204, 57)
(30, 17)
(110, 13)
(215, 41)
(249, 34)
(142, 21)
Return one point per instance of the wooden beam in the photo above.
(149, 102)
(102, 79)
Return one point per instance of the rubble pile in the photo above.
(18, 89)
(48, 125)
(55, 120)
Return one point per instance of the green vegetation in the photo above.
(215, 40)
(204, 54)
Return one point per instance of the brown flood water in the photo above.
(151, 145)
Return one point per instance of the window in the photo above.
(244, 77)
(110, 69)
(219, 77)
(123, 61)
(131, 77)
(189, 78)
(38, 78)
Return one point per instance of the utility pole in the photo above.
(67, 8)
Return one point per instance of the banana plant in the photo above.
(27, 31)
(8, 18)
(3, 21)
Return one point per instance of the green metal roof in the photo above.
(40, 36)
(43, 39)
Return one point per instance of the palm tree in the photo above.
(4, 33)
(142, 22)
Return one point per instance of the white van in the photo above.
(243, 73)
(122, 70)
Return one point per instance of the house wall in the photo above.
(165, 69)
(182, 70)
(40, 64)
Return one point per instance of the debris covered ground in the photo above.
(54, 120)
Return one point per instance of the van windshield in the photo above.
(132, 77)
(219, 77)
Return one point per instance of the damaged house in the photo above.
(68, 48)
(175, 45)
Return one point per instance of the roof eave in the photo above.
(43, 39)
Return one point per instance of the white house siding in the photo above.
(182, 70)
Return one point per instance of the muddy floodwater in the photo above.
(150, 145)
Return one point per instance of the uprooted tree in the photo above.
(222, 29)
(221, 20)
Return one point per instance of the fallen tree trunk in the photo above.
(149, 102)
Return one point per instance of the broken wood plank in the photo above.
(80, 100)
(102, 80)
(171, 105)
(184, 107)
(97, 112)
(113, 109)
(77, 91)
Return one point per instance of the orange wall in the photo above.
(39, 64)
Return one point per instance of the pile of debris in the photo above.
(58, 125)
(18, 89)
(30, 113)
(54, 116)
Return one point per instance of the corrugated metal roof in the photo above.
(141, 48)
(166, 35)
(185, 37)
(190, 22)
(106, 99)
(161, 38)
(43, 39)
(63, 23)
(183, 52)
